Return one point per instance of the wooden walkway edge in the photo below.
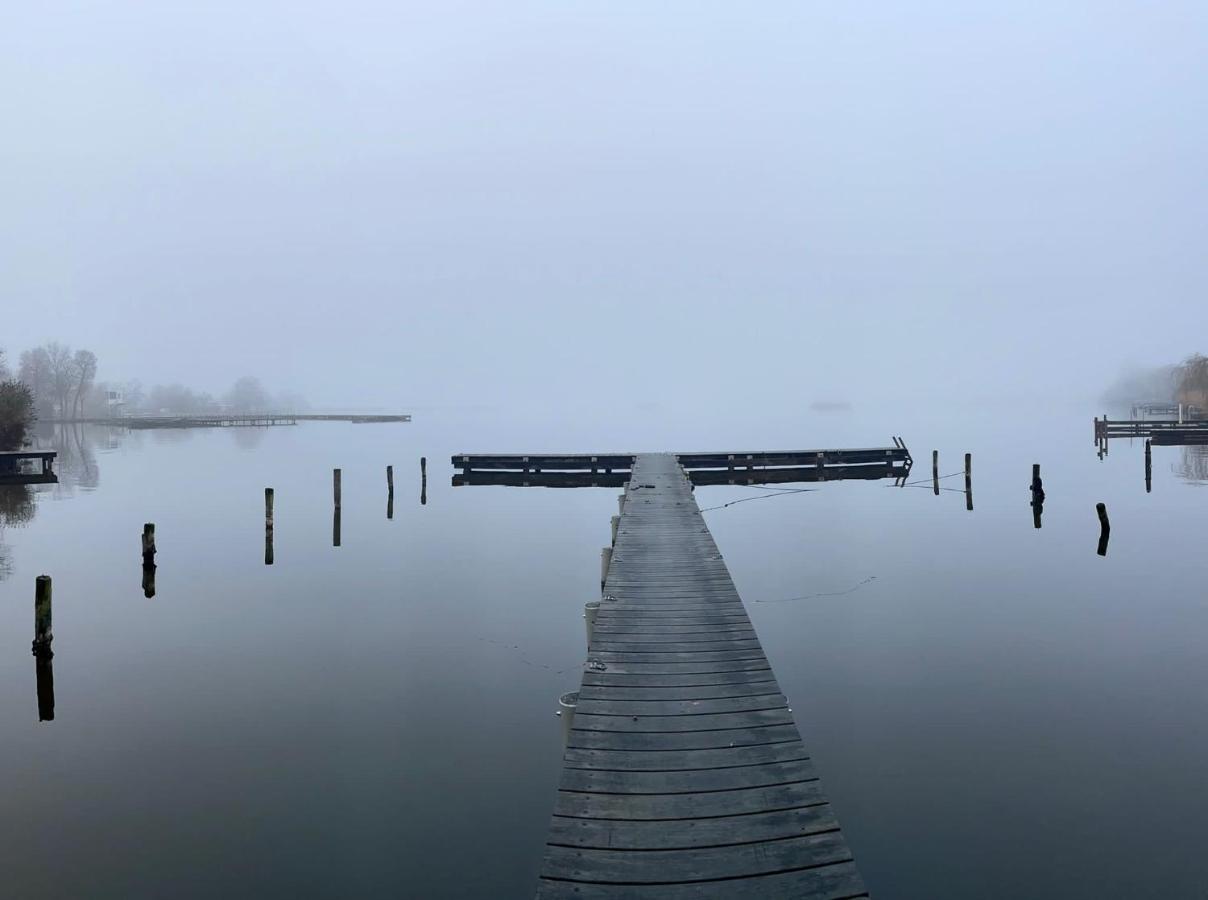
(684, 773)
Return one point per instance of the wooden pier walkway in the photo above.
(684, 774)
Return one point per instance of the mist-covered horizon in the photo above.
(559, 206)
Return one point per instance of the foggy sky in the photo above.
(529, 203)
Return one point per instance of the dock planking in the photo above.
(684, 773)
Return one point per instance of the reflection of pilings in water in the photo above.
(268, 526)
(423, 480)
(1148, 467)
(335, 527)
(389, 492)
(969, 481)
(44, 675)
(43, 636)
(1193, 463)
(1105, 528)
(1037, 495)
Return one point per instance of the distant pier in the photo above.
(250, 420)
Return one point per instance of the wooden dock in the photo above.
(741, 467)
(1161, 431)
(684, 774)
(16, 468)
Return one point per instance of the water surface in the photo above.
(996, 710)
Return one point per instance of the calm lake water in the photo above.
(996, 711)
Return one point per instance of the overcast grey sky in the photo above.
(439, 203)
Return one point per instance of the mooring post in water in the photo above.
(149, 544)
(935, 471)
(590, 608)
(1105, 528)
(566, 711)
(268, 526)
(969, 481)
(390, 479)
(149, 581)
(43, 635)
(616, 523)
(1037, 495)
(605, 562)
(1148, 467)
(335, 486)
(389, 492)
(423, 480)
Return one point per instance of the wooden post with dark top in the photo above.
(969, 481)
(43, 614)
(149, 544)
(684, 774)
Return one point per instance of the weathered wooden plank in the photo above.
(688, 806)
(702, 864)
(689, 833)
(840, 881)
(677, 760)
(679, 678)
(688, 707)
(681, 692)
(588, 722)
(629, 781)
(681, 740)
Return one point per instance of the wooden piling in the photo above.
(335, 486)
(1037, 496)
(1148, 467)
(969, 481)
(423, 480)
(1105, 528)
(335, 527)
(43, 634)
(935, 471)
(390, 479)
(149, 544)
(605, 563)
(149, 582)
(616, 523)
(268, 526)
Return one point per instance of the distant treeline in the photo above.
(53, 382)
(1186, 382)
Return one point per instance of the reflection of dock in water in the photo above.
(684, 774)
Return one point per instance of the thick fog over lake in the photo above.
(529, 204)
(306, 306)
